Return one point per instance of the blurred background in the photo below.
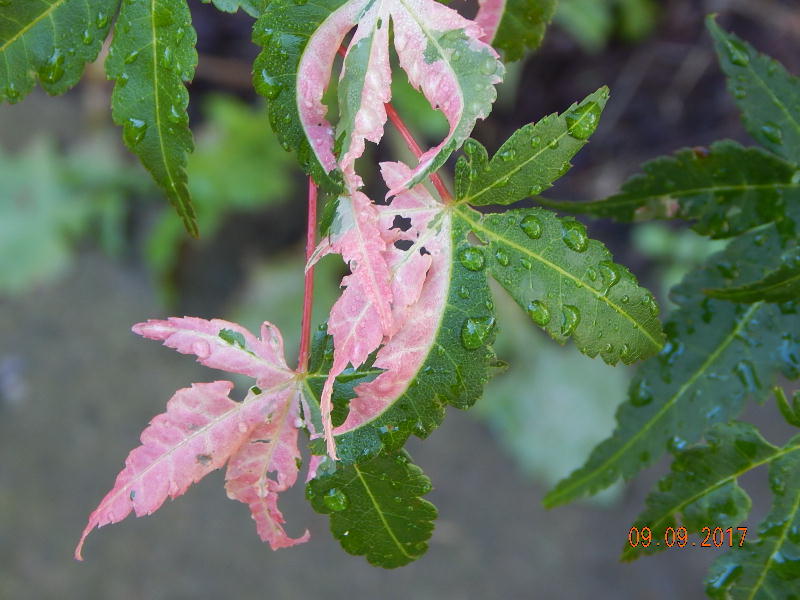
(88, 247)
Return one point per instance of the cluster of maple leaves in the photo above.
(398, 256)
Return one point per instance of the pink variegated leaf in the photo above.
(223, 345)
(407, 225)
(425, 362)
(362, 316)
(440, 51)
(271, 448)
(200, 430)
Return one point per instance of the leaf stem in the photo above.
(447, 198)
(308, 288)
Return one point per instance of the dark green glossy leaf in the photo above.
(568, 284)
(50, 41)
(252, 7)
(781, 284)
(702, 486)
(152, 55)
(768, 96)
(717, 355)
(531, 159)
(726, 189)
(522, 26)
(376, 508)
(767, 568)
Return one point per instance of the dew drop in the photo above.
(87, 38)
(570, 317)
(471, 147)
(489, 66)
(12, 93)
(535, 190)
(583, 120)
(746, 373)
(131, 57)
(270, 88)
(772, 132)
(641, 395)
(166, 58)
(472, 258)
(134, 131)
(737, 52)
(553, 144)
(526, 264)
(101, 20)
(507, 155)
(53, 70)
(717, 587)
(574, 235)
(610, 273)
(532, 227)
(463, 292)
(475, 330)
(176, 116)
(539, 313)
(335, 500)
(536, 141)
(502, 257)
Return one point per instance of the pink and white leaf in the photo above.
(270, 448)
(441, 52)
(201, 428)
(314, 74)
(444, 58)
(362, 315)
(415, 209)
(405, 353)
(365, 87)
(490, 13)
(223, 345)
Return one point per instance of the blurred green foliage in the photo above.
(54, 201)
(237, 166)
(594, 22)
(51, 200)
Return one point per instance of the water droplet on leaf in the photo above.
(582, 121)
(53, 70)
(772, 132)
(539, 313)
(475, 330)
(472, 258)
(335, 500)
(574, 235)
(502, 257)
(134, 131)
(570, 317)
(532, 227)
(737, 52)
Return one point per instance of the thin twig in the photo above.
(308, 289)
(444, 193)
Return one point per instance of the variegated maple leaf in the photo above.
(203, 429)
(440, 51)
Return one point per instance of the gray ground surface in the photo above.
(78, 388)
